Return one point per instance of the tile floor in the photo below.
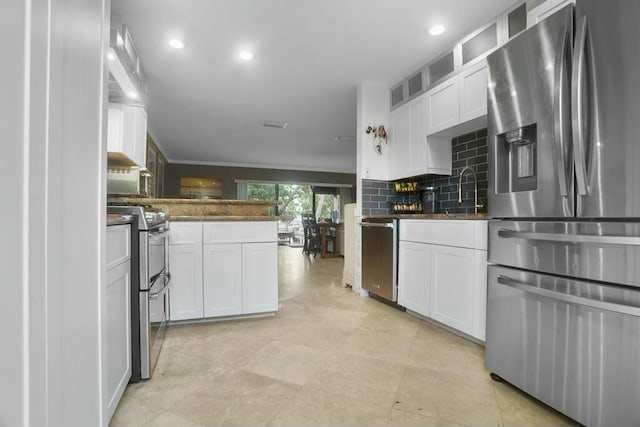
(328, 358)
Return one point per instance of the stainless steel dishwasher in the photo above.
(379, 257)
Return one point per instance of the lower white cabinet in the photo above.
(414, 267)
(116, 367)
(223, 269)
(259, 277)
(222, 277)
(185, 266)
(442, 272)
(452, 287)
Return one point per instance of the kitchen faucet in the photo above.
(475, 188)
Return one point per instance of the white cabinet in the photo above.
(458, 100)
(185, 265)
(116, 366)
(443, 106)
(400, 139)
(259, 277)
(452, 287)
(414, 268)
(417, 150)
(442, 272)
(223, 268)
(127, 132)
(473, 92)
(545, 9)
(412, 153)
(222, 279)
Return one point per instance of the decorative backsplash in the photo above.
(376, 196)
(466, 150)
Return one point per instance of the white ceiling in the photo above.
(205, 105)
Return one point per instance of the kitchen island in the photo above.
(223, 256)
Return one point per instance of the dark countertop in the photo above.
(451, 216)
(187, 218)
(119, 219)
(162, 201)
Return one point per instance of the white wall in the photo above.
(373, 110)
(52, 166)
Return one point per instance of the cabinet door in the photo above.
(222, 279)
(417, 137)
(413, 276)
(134, 133)
(443, 105)
(548, 8)
(185, 292)
(400, 134)
(479, 294)
(115, 138)
(185, 266)
(473, 92)
(140, 143)
(117, 346)
(452, 287)
(259, 277)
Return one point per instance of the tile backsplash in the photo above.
(469, 149)
(466, 150)
(376, 196)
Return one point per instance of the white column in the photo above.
(52, 167)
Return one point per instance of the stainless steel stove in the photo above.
(149, 294)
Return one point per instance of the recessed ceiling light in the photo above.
(132, 94)
(274, 124)
(111, 56)
(245, 55)
(436, 30)
(176, 44)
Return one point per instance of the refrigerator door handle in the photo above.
(562, 103)
(570, 238)
(584, 72)
(602, 305)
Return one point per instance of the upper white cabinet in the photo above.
(514, 21)
(457, 100)
(480, 43)
(442, 272)
(400, 131)
(545, 9)
(127, 132)
(443, 106)
(473, 92)
(412, 153)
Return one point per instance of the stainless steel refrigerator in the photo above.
(563, 314)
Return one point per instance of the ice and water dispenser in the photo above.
(516, 160)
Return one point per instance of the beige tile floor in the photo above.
(328, 358)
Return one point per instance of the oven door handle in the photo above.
(377, 224)
(167, 277)
(157, 235)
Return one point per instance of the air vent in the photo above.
(274, 124)
(344, 138)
